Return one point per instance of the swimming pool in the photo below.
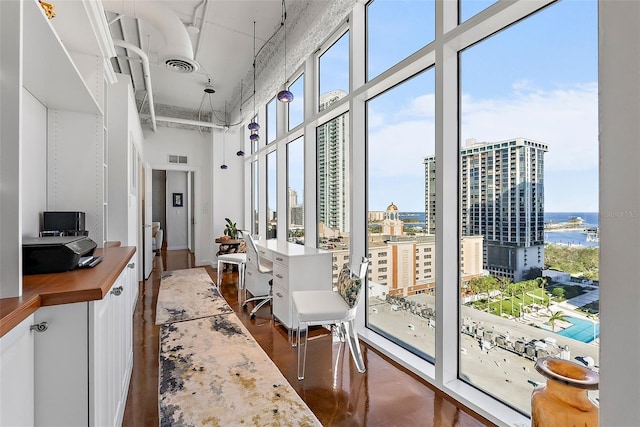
(581, 330)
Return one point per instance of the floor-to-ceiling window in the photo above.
(272, 196)
(474, 136)
(529, 199)
(401, 232)
(332, 150)
(295, 191)
(333, 187)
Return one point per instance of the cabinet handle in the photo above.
(132, 265)
(279, 259)
(117, 291)
(278, 294)
(279, 276)
(40, 327)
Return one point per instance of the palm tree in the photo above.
(503, 283)
(555, 316)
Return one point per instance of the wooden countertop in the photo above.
(89, 284)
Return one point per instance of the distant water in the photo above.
(571, 237)
(417, 219)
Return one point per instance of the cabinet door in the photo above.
(112, 352)
(61, 366)
(17, 376)
(101, 346)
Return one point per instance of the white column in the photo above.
(10, 148)
(619, 113)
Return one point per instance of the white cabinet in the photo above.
(83, 361)
(61, 366)
(295, 268)
(16, 375)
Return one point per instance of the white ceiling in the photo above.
(222, 39)
(221, 32)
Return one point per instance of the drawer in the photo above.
(281, 308)
(264, 254)
(280, 259)
(251, 258)
(280, 276)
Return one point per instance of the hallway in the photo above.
(386, 395)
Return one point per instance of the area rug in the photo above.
(213, 373)
(188, 294)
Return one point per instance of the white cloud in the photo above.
(566, 119)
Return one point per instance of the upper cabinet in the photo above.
(64, 64)
(49, 72)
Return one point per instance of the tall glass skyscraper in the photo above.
(333, 161)
(502, 199)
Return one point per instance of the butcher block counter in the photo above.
(81, 285)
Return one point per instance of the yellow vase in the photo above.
(563, 401)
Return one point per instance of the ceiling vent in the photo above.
(180, 65)
(178, 53)
(178, 160)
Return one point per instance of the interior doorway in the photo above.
(173, 207)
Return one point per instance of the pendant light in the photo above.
(240, 152)
(254, 127)
(285, 95)
(226, 128)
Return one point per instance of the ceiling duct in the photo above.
(178, 54)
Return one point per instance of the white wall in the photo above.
(34, 164)
(177, 218)
(228, 184)
(197, 147)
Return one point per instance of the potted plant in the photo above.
(230, 229)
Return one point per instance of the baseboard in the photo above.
(176, 248)
(204, 262)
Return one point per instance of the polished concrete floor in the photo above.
(386, 395)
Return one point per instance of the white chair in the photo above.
(258, 277)
(239, 259)
(157, 236)
(331, 308)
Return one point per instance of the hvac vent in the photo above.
(180, 160)
(180, 65)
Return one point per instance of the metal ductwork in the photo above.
(147, 76)
(178, 54)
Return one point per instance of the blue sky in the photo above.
(536, 79)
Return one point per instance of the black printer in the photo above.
(54, 254)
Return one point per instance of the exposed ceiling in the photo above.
(221, 34)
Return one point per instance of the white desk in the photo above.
(295, 268)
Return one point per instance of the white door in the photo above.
(190, 219)
(147, 218)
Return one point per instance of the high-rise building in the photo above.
(502, 199)
(333, 161)
(296, 211)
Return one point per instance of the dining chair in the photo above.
(328, 307)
